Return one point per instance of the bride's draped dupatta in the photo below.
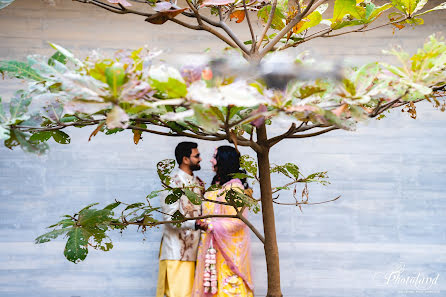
(229, 236)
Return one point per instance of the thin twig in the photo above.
(253, 37)
(306, 203)
(312, 134)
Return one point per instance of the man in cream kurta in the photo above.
(178, 251)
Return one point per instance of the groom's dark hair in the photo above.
(184, 149)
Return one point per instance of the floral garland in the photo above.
(210, 270)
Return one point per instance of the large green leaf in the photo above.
(164, 168)
(20, 70)
(409, 7)
(92, 217)
(278, 22)
(312, 20)
(342, 8)
(172, 88)
(76, 248)
(192, 196)
(206, 118)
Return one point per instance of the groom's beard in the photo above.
(195, 167)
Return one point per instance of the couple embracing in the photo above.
(207, 257)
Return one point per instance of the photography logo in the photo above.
(398, 277)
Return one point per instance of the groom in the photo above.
(178, 251)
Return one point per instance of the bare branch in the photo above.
(306, 203)
(251, 226)
(253, 37)
(177, 134)
(325, 33)
(312, 134)
(276, 139)
(114, 9)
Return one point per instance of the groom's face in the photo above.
(194, 160)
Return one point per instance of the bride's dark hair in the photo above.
(228, 163)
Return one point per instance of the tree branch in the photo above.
(114, 9)
(177, 134)
(325, 33)
(268, 24)
(276, 139)
(306, 203)
(312, 134)
(253, 37)
(251, 226)
(290, 26)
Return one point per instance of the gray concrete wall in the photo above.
(390, 173)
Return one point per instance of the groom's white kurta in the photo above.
(181, 243)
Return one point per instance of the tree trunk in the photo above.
(269, 226)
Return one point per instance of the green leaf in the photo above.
(193, 197)
(51, 235)
(293, 169)
(112, 205)
(61, 137)
(172, 198)
(59, 57)
(206, 118)
(89, 206)
(64, 223)
(377, 11)
(66, 53)
(311, 21)
(278, 22)
(19, 104)
(408, 7)
(76, 248)
(177, 216)
(93, 217)
(164, 168)
(134, 205)
(241, 175)
(40, 136)
(4, 133)
(18, 137)
(172, 88)
(98, 72)
(342, 8)
(20, 70)
(249, 164)
(115, 77)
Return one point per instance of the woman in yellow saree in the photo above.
(224, 254)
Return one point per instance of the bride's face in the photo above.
(214, 161)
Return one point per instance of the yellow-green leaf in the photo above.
(312, 20)
(115, 76)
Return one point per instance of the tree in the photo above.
(127, 92)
